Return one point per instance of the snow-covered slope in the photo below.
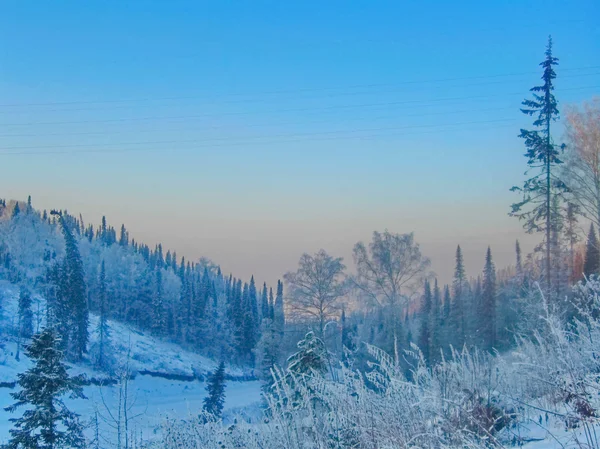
(147, 353)
(153, 398)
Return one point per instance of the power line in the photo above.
(270, 124)
(282, 92)
(305, 109)
(261, 99)
(175, 142)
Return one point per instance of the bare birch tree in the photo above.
(581, 172)
(389, 272)
(317, 287)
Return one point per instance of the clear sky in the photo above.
(250, 132)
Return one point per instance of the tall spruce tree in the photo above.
(457, 318)
(543, 157)
(102, 330)
(435, 324)
(425, 330)
(519, 266)
(214, 402)
(488, 317)
(25, 326)
(48, 423)
(264, 303)
(278, 310)
(73, 313)
(158, 308)
(591, 264)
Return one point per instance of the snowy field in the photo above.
(153, 400)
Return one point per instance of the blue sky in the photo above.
(250, 132)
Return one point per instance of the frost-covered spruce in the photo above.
(214, 402)
(47, 423)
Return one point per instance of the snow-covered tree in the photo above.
(72, 313)
(48, 423)
(214, 402)
(311, 357)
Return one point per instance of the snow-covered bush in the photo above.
(470, 400)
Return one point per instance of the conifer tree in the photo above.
(542, 155)
(519, 266)
(123, 237)
(447, 304)
(264, 303)
(347, 341)
(158, 309)
(488, 317)
(591, 264)
(253, 301)
(16, 211)
(72, 313)
(278, 310)
(267, 350)
(103, 331)
(25, 327)
(424, 332)
(435, 324)
(48, 423)
(457, 318)
(271, 304)
(214, 402)
(310, 358)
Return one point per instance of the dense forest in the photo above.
(373, 355)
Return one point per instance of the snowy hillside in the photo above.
(167, 380)
(148, 354)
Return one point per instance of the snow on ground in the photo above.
(154, 398)
(147, 352)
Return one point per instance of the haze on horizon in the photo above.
(251, 133)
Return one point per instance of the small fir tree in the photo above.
(214, 402)
(48, 423)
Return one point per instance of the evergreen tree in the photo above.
(25, 327)
(25, 313)
(16, 211)
(267, 350)
(103, 331)
(278, 310)
(264, 303)
(48, 423)
(271, 304)
(519, 266)
(542, 154)
(488, 316)
(158, 309)
(248, 340)
(435, 324)
(310, 358)
(591, 265)
(72, 314)
(347, 338)
(457, 318)
(214, 402)
(253, 301)
(425, 330)
(123, 237)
